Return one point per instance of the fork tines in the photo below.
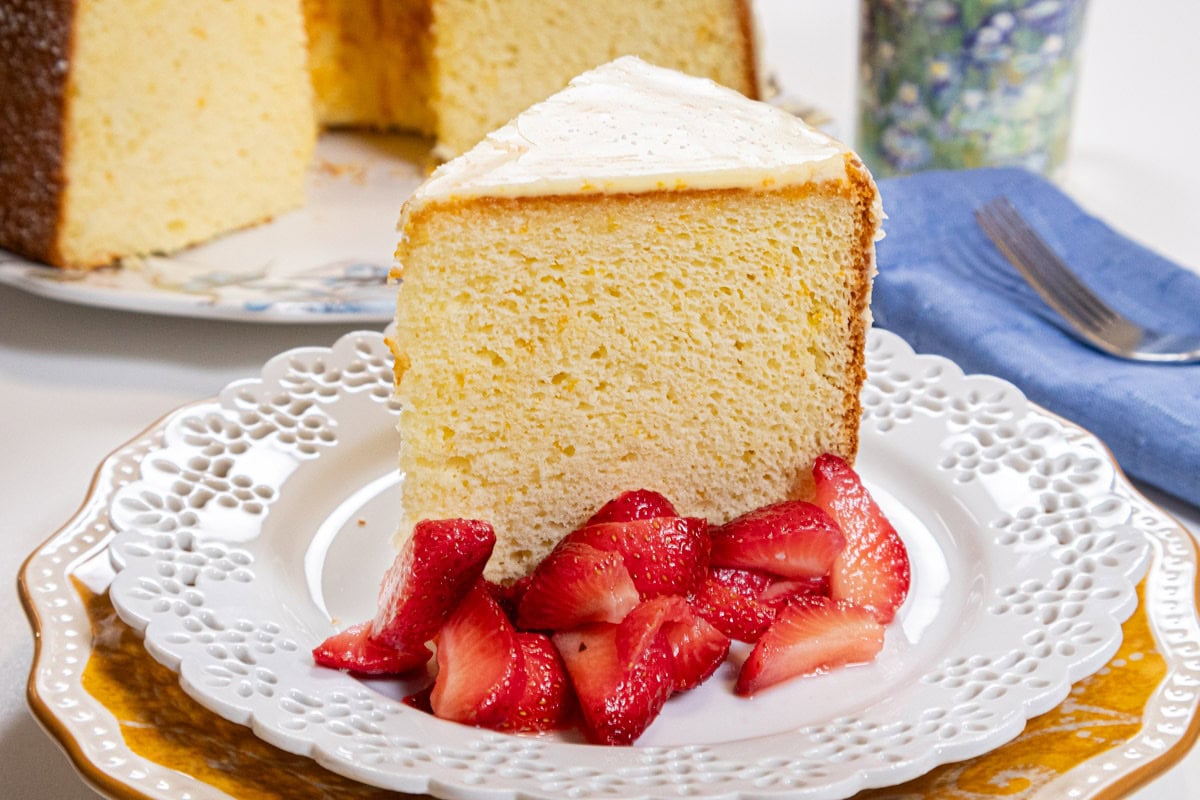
(1052, 278)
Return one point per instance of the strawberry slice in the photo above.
(780, 592)
(812, 634)
(618, 697)
(354, 650)
(698, 648)
(792, 539)
(509, 594)
(437, 566)
(742, 603)
(547, 702)
(737, 615)
(481, 672)
(747, 582)
(664, 555)
(643, 624)
(873, 570)
(628, 506)
(576, 584)
(420, 699)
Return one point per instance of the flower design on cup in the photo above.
(967, 83)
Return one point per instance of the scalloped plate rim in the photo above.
(907, 768)
(82, 738)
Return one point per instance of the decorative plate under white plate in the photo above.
(262, 525)
(325, 262)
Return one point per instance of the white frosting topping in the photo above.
(631, 127)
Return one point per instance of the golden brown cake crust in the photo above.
(863, 192)
(35, 48)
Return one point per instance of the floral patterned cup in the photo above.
(950, 84)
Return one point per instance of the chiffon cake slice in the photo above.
(138, 127)
(645, 281)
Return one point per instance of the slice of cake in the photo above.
(133, 127)
(645, 281)
(369, 62)
(490, 59)
(457, 69)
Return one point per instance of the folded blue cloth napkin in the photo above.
(945, 289)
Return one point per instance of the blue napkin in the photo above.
(945, 289)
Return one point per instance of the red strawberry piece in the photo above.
(481, 672)
(779, 593)
(628, 506)
(664, 555)
(873, 571)
(747, 582)
(618, 698)
(645, 623)
(509, 594)
(792, 539)
(353, 649)
(420, 699)
(547, 701)
(736, 615)
(437, 566)
(812, 634)
(698, 648)
(576, 584)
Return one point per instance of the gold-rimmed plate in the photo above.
(147, 738)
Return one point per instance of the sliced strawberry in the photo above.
(628, 506)
(736, 615)
(420, 699)
(618, 699)
(747, 582)
(664, 555)
(698, 648)
(353, 649)
(574, 585)
(645, 623)
(438, 564)
(792, 539)
(509, 594)
(873, 570)
(779, 593)
(812, 634)
(547, 701)
(481, 672)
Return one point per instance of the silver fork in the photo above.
(1096, 322)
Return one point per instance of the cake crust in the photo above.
(35, 46)
(870, 218)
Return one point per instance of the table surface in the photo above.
(76, 382)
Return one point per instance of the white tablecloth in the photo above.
(76, 382)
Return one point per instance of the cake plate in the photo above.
(148, 738)
(327, 261)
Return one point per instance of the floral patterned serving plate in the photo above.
(1026, 544)
(325, 262)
